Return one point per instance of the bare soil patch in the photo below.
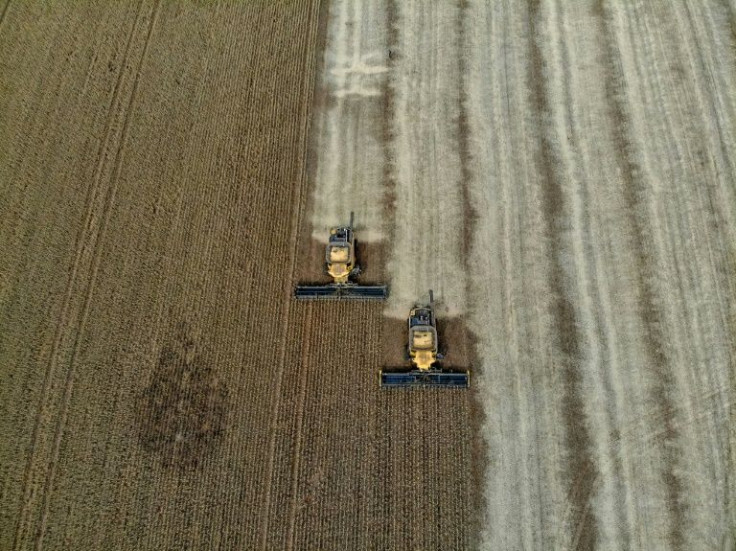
(183, 411)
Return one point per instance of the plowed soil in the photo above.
(160, 389)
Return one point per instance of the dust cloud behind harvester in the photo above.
(348, 143)
(427, 248)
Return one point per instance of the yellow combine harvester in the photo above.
(423, 352)
(341, 266)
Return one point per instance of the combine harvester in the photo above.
(341, 266)
(424, 355)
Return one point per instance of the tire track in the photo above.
(296, 456)
(81, 242)
(96, 255)
(300, 197)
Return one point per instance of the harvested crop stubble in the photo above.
(348, 126)
(589, 130)
(425, 151)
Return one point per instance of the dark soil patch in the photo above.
(183, 411)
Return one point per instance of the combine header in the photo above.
(423, 354)
(341, 266)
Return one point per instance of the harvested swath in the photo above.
(425, 154)
(639, 229)
(348, 126)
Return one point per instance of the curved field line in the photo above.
(81, 241)
(97, 253)
(300, 198)
(4, 12)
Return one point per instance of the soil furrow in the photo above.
(82, 241)
(90, 287)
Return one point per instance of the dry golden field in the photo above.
(160, 390)
(560, 173)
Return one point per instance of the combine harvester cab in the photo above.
(341, 266)
(424, 356)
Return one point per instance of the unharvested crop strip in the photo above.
(82, 238)
(97, 250)
(299, 195)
